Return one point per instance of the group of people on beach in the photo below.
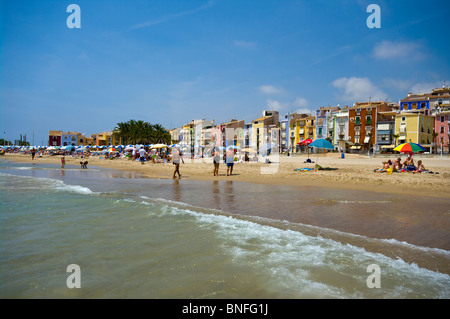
(176, 157)
(407, 165)
(228, 158)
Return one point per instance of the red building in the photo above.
(54, 138)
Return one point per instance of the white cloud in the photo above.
(275, 105)
(300, 102)
(359, 90)
(398, 50)
(304, 111)
(270, 89)
(425, 87)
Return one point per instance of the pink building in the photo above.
(442, 128)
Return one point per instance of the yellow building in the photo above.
(106, 139)
(303, 129)
(264, 129)
(414, 127)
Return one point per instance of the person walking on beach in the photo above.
(230, 161)
(142, 153)
(176, 157)
(216, 160)
(33, 153)
(63, 161)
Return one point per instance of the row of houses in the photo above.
(60, 138)
(366, 126)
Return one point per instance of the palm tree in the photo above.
(396, 136)
(141, 132)
(434, 134)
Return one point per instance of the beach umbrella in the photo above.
(321, 143)
(305, 142)
(159, 146)
(174, 145)
(112, 149)
(409, 148)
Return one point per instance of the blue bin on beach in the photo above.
(342, 155)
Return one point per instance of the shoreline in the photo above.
(354, 173)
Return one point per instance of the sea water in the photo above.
(133, 237)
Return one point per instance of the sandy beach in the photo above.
(352, 172)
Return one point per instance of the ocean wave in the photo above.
(40, 183)
(299, 260)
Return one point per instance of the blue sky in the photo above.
(173, 61)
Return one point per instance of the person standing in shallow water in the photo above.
(216, 160)
(63, 161)
(230, 161)
(176, 157)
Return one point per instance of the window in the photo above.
(442, 129)
(403, 118)
(403, 128)
(405, 106)
(283, 125)
(358, 111)
(423, 105)
(357, 120)
(369, 120)
(414, 106)
(442, 118)
(320, 131)
(383, 138)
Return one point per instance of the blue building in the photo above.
(285, 140)
(416, 102)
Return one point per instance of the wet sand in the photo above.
(353, 172)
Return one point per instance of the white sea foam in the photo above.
(298, 261)
(46, 183)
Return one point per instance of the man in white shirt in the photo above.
(176, 156)
(142, 154)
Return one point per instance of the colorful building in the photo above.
(69, 138)
(264, 129)
(341, 135)
(54, 138)
(362, 123)
(324, 122)
(415, 127)
(287, 121)
(442, 128)
(302, 129)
